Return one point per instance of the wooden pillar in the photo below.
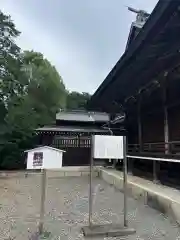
(165, 111)
(79, 140)
(166, 130)
(156, 168)
(130, 166)
(156, 164)
(139, 122)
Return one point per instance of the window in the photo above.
(38, 159)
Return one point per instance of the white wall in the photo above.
(51, 159)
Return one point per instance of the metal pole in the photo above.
(43, 195)
(125, 181)
(90, 183)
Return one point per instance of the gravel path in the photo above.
(66, 210)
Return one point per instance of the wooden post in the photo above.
(139, 122)
(154, 172)
(110, 160)
(130, 166)
(79, 140)
(166, 130)
(43, 195)
(165, 111)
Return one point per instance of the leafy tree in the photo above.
(45, 89)
(9, 59)
(31, 93)
(44, 94)
(77, 100)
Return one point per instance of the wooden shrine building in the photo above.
(72, 133)
(145, 85)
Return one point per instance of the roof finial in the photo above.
(141, 15)
(133, 10)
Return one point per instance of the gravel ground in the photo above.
(66, 210)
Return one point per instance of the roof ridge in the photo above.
(52, 148)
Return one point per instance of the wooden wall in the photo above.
(174, 123)
(153, 127)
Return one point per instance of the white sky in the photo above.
(83, 39)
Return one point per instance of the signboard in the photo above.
(38, 159)
(108, 147)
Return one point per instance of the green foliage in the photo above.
(77, 100)
(45, 89)
(31, 93)
(9, 58)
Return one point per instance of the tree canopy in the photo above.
(77, 100)
(31, 93)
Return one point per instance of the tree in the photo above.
(9, 59)
(43, 95)
(45, 88)
(10, 63)
(31, 93)
(77, 100)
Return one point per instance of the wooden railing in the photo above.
(158, 147)
(72, 142)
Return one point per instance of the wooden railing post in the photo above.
(166, 130)
(130, 166)
(156, 170)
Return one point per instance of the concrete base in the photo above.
(157, 196)
(109, 230)
(71, 172)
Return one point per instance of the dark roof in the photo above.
(82, 116)
(155, 49)
(71, 129)
(134, 31)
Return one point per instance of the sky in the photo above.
(83, 39)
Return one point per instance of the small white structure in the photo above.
(44, 157)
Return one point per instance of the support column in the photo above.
(165, 111)
(113, 161)
(78, 140)
(130, 166)
(166, 130)
(156, 169)
(139, 121)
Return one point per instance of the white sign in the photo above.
(108, 147)
(38, 159)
